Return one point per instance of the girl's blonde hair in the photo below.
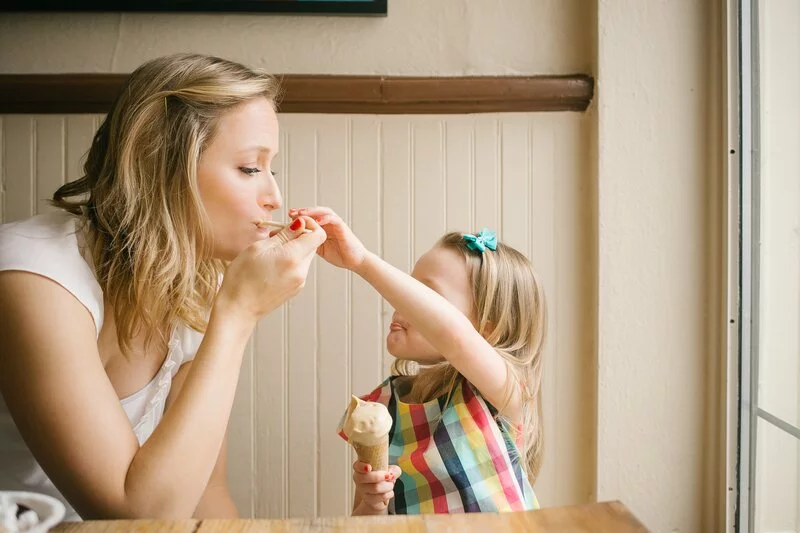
(512, 316)
(148, 230)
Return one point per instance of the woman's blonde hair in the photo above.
(148, 231)
(512, 316)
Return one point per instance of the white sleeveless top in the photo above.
(48, 245)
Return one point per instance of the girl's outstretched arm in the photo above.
(448, 330)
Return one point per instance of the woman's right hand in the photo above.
(373, 489)
(269, 272)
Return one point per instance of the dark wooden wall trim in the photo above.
(94, 93)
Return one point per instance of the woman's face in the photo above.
(235, 180)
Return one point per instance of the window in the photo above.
(769, 438)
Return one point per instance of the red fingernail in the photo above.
(388, 477)
(366, 468)
(295, 225)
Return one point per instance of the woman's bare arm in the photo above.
(66, 409)
(216, 501)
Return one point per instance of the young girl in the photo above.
(467, 333)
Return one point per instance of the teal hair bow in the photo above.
(483, 240)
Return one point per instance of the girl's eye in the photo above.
(250, 170)
(273, 172)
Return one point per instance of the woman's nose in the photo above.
(270, 196)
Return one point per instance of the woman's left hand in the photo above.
(342, 248)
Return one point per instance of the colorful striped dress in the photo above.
(455, 458)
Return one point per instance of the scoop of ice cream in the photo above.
(366, 422)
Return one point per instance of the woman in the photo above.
(121, 348)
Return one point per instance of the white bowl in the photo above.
(50, 510)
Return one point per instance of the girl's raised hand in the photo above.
(342, 248)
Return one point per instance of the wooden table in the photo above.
(599, 517)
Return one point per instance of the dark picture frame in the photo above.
(308, 7)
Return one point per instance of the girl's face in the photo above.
(235, 180)
(445, 271)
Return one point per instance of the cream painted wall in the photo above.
(658, 204)
(419, 37)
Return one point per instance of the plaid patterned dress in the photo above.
(455, 458)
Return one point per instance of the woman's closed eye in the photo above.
(251, 171)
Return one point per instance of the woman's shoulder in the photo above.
(39, 238)
(51, 223)
(50, 245)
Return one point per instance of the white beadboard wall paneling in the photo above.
(39, 153)
(429, 198)
(49, 159)
(78, 136)
(397, 157)
(487, 158)
(334, 182)
(515, 196)
(19, 147)
(459, 170)
(303, 327)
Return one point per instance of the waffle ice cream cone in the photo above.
(375, 455)
(367, 426)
